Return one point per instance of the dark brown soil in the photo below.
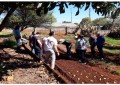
(85, 73)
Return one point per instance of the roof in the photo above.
(71, 25)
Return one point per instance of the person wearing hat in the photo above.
(50, 49)
(68, 45)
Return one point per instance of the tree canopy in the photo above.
(101, 21)
(30, 18)
(105, 8)
(86, 21)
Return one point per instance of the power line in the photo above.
(89, 13)
(71, 15)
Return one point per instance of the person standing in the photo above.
(81, 48)
(100, 43)
(50, 48)
(31, 42)
(76, 46)
(92, 43)
(37, 44)
(18, 36)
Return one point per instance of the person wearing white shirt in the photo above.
(81, 48)
(50, 48)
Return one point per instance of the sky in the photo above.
(67, 15)
(75, 19)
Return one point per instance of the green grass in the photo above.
(112, 41)
(112, 51)
(112, 47)
(69, 36)
(117, 72)
(10, 42)
(5, 34)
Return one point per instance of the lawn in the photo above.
(112, 51)
(5, 34)
(112, 46)
(112, 41)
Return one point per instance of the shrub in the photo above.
(9, 42)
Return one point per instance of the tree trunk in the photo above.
(4, 22)
(66, 31)
(76, 30)
(50, 30)
(1, 11)
(112, 24)
(23, 28)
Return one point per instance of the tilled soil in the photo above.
(19, 68)
(28, 72)
(81, 73)
(85, 73)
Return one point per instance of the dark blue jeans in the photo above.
(38, 52)
(69, 50)
(17, 41)
(81, 55)
(92, 51)
(100, 49)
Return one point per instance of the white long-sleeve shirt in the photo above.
(82, 43)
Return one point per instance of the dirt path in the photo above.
(19, 68)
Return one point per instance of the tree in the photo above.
(86, 21)
(85, 24)
(104, 8)
(118, 20)
(101, 21)
(115, 14)
(29, 17)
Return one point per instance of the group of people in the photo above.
(94, 40)
(99, 41)
(81, 46)
(48, 46)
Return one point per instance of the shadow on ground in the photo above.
(8, 62)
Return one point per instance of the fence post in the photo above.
(66, 29)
